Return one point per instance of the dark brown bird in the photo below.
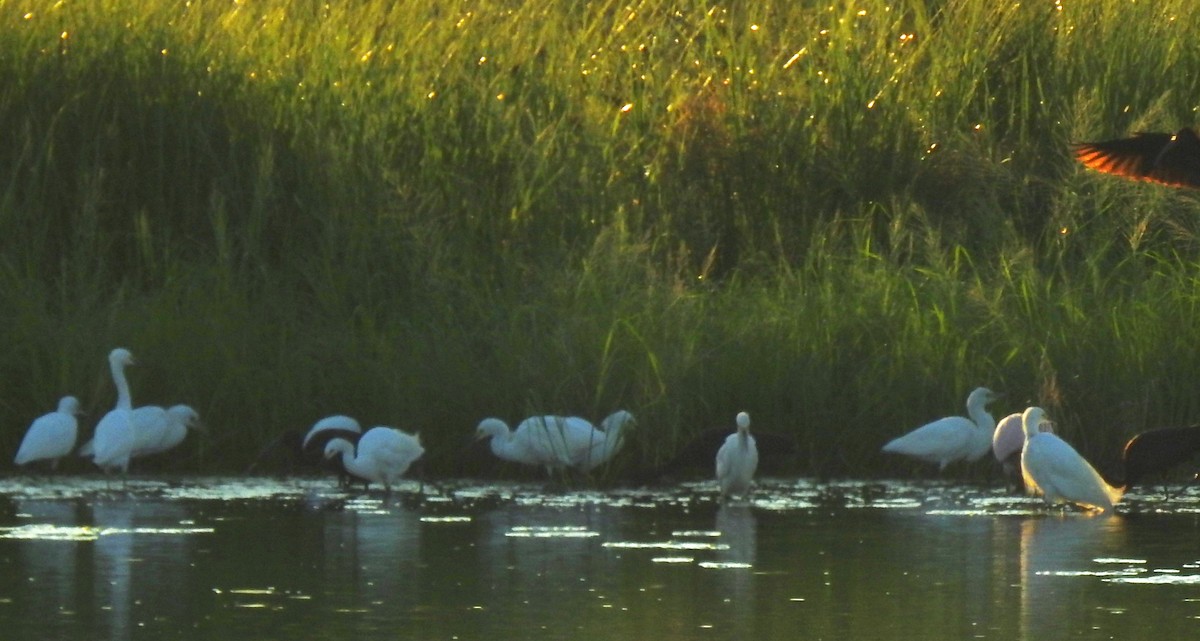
(1153, 452)
(1168, 159)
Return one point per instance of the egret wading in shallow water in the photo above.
(557, 442)
(1007, 443)
(157, 430)
(737, 460)
(312, 448)
(383, 455)
(554, 442)
(1053, 469)
(954, 438)
(1168, 159)
(51, 436)
(604, 443)
(114, 440)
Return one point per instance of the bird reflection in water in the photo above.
(1053, 550)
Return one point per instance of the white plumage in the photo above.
(157, 430)
(605, 442)
(1052, 468)
(114, 440)
(954, 438)
(51, 436)
(384, 454)
(557, 442)
(737, 460)
(552, 441)
(335, 425)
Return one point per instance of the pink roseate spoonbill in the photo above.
(1007, 442)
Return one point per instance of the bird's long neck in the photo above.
(124, 399)
(350, 461)
(502, 443)
(743, 438)
(982, 419)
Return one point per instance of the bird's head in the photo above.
(490, 427)
(120, 356)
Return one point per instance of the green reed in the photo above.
(838, 217)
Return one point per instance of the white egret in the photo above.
(383, 455)
(312, 448)
(737, 460)
(338, 425)
(1007, 443)
(157, 430)
(51, 436)
(114, 440)
(604, 443)
(552, 441)
(1052, 468)
(954, 438)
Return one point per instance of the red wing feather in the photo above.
(1169, 159)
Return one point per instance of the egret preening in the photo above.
(383, 455)
(114, 440)
(737, 460)
(1169, 159)
(954, 438)
(1052, 468)
(51, 436)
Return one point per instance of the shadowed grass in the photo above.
(840, 218)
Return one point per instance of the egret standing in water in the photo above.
(555, 442)
(605, 442)
(954, 438)
(737, 460)
(1052, 468)
(321, 433)
(114, 440)
(51, 436)
(383, 455)
(1007, 444)
(158, 430)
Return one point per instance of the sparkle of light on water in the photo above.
(243, 559)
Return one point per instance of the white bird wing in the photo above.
(50, 436)
(556, 440)
(391, 450)
(150, 424)
(942, 441)
(336, 422)
(736, 464)
(1052, 467)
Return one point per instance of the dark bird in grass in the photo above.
(1168, 159)
(1153, 452)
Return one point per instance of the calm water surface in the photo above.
(216, 558)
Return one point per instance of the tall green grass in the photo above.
(840, 217)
